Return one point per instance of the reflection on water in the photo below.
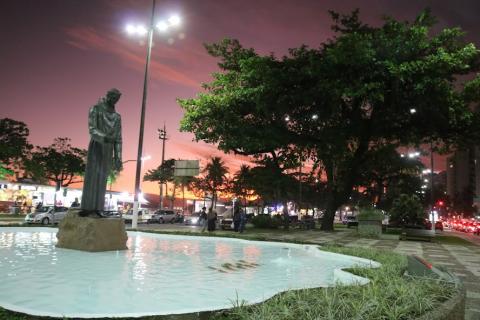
(158, 274)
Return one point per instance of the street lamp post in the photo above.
(162, 26)
(142, 123)
(432, 200)
(162, 135)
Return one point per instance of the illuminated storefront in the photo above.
(27, 196)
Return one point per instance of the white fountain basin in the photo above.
(157, 275)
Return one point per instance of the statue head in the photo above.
(113, 95)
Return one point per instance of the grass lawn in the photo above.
(453, 240)
(6, 216)
(389, 295)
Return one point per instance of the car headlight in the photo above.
(194, 220)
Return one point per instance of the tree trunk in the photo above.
(183, 198)
(172, 199)
(329, 215)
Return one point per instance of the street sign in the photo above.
(186, 168)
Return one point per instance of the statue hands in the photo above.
(108, 139)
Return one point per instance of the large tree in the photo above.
(14, 145)
(60, 163)
(388, 174)
(163, 174)
(366, 89)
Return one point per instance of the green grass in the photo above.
(389, 295)
(452, 240)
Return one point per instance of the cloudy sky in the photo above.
(58, 57)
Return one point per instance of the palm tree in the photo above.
(216, 172)
(184, 182)
(241, 182)
(162, 174)
(213, 180)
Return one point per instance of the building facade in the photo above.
(463, 180)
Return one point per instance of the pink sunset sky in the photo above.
(58, 57)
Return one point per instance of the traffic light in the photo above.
(440, 203)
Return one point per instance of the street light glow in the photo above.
(412, 111)
(287, 118)
(315, 117)
(174, 20)
(141, 30)
(137, 30)
(131, 29)
(162, 26)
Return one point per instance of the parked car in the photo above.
(163, 216)
(111, 214)
(47, 215)
(143, 215)
(179, 217)
(439, 225)
(193, 219)
(351, 221)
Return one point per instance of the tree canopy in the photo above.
(366, 89)
(60, 163)
(14, 145)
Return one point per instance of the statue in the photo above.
(104, 152)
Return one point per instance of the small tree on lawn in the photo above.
(407, 210)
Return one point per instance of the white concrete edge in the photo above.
(340, 277)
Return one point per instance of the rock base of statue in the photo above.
(91, 234)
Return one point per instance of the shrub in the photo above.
(406, 209)
(265, 221)
(370, 214)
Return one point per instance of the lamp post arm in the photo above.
(142, 122)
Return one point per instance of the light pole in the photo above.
(431, 186)
(162, 135)
(140, 30)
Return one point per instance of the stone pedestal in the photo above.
(372, 228)
(91, 234)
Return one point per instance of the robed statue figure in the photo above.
(104, 152)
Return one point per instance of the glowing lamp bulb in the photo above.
(131, 29)
(162, 26)
(174, 20)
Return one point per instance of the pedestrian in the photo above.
(75, 203)
(203, 219)
(236, 218)
(243, 221)
(212, 218)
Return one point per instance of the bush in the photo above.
(265, 221)
(407, 210)
(388, 295)
(370, 214)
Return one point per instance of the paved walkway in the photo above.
(463, 260)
